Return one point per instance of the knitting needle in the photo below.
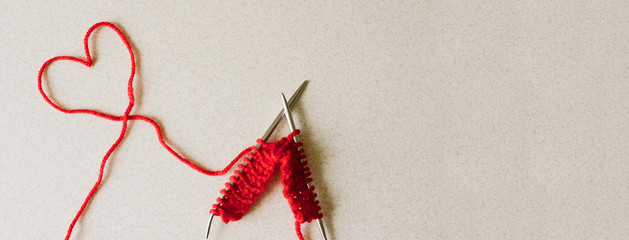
(265, 137)
(291, 126)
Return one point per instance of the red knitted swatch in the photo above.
(271, 154)
(249, 182)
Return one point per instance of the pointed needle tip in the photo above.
(303, 85)
(209, 225)
(285, 105)
(287, 114)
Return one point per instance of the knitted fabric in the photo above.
(249, 182)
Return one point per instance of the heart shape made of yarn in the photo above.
(88, 63)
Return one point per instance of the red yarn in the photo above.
(124, 118)
(250, 181)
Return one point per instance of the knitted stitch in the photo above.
(249, 182)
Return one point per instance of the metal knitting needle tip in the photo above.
(289, 117)
(266, 136)
(291, 126)
(277, 120)
(209, 223)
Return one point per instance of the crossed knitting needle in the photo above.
(267, 134)
(291, 126)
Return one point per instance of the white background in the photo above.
(422, 119)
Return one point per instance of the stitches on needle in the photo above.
(250, 180)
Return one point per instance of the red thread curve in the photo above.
(124, 118)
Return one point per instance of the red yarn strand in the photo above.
(124, 118)
(298, 230)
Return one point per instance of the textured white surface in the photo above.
(423, 120)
